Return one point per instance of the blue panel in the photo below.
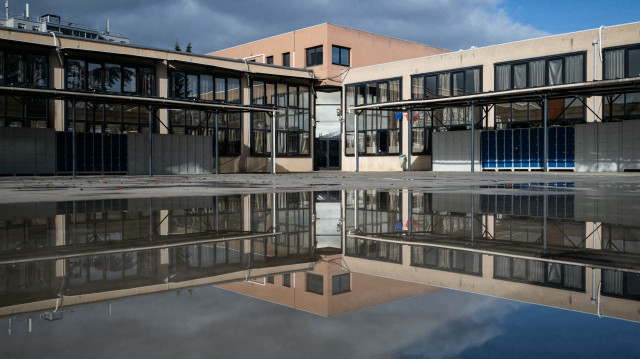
(571, 146)
(552, 141)
(517, 148)
(484, 145)
(534, 144)
(508, 149)
(524, 137)
(561, 147)
(493, 159)
(500, 148)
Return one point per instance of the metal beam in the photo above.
(591, 88)
(410, 135)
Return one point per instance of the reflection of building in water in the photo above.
(100, 250)
(543, 246)
(329, 288)
(533, 248)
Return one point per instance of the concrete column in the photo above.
(56, 81)
(162, 90)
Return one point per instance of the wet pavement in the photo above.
(366, 265)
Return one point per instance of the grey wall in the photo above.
(452, 150)
(608, 147)
(27, 151)
(172, 154)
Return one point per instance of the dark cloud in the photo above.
(214, 25)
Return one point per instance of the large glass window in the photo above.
(442, 84)
(314, 56)
(621, 63)
(340, 55)
(292, 122)
(379, 132)
(114, 78)
(204, 87)
(528, 73)
(106, 118)
(564, 276)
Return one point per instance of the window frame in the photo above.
(622, 100)
(340, 59)
(385, 89)
(293, 122)
(312, 53)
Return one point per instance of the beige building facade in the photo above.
(606, 53)
(330, 51)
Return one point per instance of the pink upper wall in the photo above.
(366, 49)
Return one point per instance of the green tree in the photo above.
(177, 46)
(189, 47)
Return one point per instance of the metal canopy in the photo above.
(592, 88)
(154, 102)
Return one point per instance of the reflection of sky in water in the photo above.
(211, 322)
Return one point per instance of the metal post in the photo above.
(544, 223)
(545, 135)
(274, 223)
(273, 142)
(73, 138)
(215, 136)
(473, 125)
(473, 218)
(355, 210)
(410, 223)
(410, 142)
(150, 142)
(595, 77)
(150, 219)
(357, 144)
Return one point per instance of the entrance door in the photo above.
(327, 151)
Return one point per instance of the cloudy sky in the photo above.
(213, 323)
(450, 24)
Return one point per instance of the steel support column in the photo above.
(74, 167)
(150, 159)
(215, 143)
(473, 125)
(357, 144)
(273, 142)
(545, 135)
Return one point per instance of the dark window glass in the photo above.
(112, 78)
(314, 56)
(286, 59)
(15, 69)
(178, 84)
(634, 63)
(129, 78)
(314, 283)
(340, 55)
(37, 70)
(431, 86)
(75, 75)
(286, 280)
(94, 80)
(270, 60)
(340, 283)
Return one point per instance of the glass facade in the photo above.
(622, 62)
(24, 70)
(537, 72)
(293, 119)
(379, 131)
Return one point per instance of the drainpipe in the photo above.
(595, 76)
(410, 137)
